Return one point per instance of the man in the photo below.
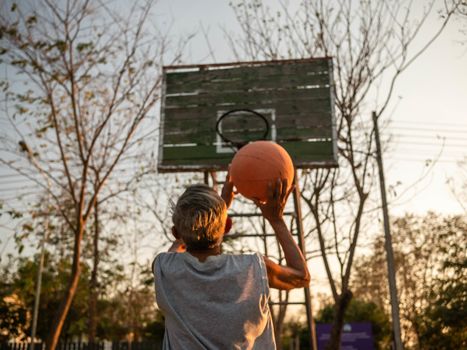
(212, 300)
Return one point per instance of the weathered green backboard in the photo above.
(295, 96)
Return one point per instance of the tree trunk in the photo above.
(60, 316)
(92, 321)
(339, 312)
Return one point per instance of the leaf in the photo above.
(31, 20)
(84, 46)
(61, 45)
(21, 109)
(14, 214)
(12, 31)
(27, 227)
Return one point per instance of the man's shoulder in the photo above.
(247, 260)
(169, 260)
(164, 258)
(248, 255)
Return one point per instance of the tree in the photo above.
(13, 311)
(371, 45)
(124, 310)
(430, 266)
(444, 322)
(18, 292)
(88, 78)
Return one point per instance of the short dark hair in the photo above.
(199, 217)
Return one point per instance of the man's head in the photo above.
(199, 217)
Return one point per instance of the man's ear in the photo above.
(175, 233)
(228, 225)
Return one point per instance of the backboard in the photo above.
(287, 101)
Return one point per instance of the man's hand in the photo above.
(295, 274)
(273, 209)
(227, 193)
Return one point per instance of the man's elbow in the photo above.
(305, 280)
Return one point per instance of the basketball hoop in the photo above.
(240, 141)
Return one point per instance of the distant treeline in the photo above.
(78, 345)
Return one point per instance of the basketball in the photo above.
(257, 164)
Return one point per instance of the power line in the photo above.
(425, 160)
(424, 122)
(433, 144)
(437, 137)
(428, 130)
(10, 189)
(8, 182)
(14, 175)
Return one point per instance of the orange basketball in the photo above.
(257, 164)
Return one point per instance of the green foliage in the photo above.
(23, 283)
(130, 310)
(295, 331)
(17, 298)
(431, 267)
(444, 322)
(12, 309)
(155, 329)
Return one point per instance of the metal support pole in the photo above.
(25, 148)
(388, 244)
(40, 270)
(301, 244)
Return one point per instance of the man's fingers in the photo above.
(270, 192)
(227, 192)
(284, 190)
(227, 176)
(278, 189)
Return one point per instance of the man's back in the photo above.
(221, 303)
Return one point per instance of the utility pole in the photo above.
(31, 157)
(40, 270)
(396, 327)
(301, 243)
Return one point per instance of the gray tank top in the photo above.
(221, 303)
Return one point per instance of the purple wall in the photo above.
(355, 336)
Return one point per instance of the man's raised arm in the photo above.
(295, 274)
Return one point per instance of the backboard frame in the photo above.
(163, 167)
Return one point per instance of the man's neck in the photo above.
(203, 254)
